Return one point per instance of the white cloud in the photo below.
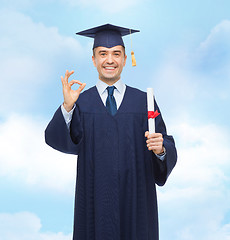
(195, 201)
(26, 159)
(176, 87)
(191, 81)
(102, 5)
(219, 35)
(25, 226)
(20, 4)
(106, 6)
(23, 37)
(31, 54)
(213, 54)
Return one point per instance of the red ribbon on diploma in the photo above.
(152, 114)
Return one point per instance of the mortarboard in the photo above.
(108, 35)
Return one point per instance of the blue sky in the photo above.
(182, 51)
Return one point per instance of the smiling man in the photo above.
(119, 162)
(109, 63)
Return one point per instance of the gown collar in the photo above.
(101, 86)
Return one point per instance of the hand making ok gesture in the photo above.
(70, 95)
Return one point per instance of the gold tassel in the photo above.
(133, 59)
(132, 52)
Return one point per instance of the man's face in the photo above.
(109, 63)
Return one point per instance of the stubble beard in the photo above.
(111, 80)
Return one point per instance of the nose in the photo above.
(109, 59)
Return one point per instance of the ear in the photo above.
(94, 61)
(125, 60)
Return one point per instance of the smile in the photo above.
(109, 68)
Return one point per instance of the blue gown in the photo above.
(116, 173)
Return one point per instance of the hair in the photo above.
(96, 47)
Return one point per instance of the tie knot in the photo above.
(110, 90)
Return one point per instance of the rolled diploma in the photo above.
(150, 102)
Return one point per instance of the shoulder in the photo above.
(136, 93)
(86, 98)
(87, 94)
(135, 99)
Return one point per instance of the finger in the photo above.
(67, 75)
(154, 135)
(154, 144)
(70, 73)
(153, 147)
(146, 133)
(155, 150)
(62, 80)
(155, 139)
(72, 82)
(151, 135)
(81, 87)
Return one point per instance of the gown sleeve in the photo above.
(57, 134)
(162, 169)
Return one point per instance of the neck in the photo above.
(110, 82)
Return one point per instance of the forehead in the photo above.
(112, 49)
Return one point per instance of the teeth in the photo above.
(110, 68)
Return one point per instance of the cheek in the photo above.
(99, 67)
(99, 63)
(122, 64)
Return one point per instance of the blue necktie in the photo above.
(110, 101)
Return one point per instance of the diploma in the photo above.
(150, 102)
(152, 114)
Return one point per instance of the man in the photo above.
(119, 162)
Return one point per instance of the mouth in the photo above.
(109, 68)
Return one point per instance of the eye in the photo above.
(117, 54)
(102, 54)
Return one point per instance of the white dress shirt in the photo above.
(118, 93)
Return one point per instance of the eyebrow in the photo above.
(103, 51)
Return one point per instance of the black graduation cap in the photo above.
(108, 35)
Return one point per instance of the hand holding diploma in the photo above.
(154, 140)
(70, 95)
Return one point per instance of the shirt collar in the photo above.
(101, 86)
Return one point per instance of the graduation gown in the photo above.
(116, 173)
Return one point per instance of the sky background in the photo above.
(182, 51)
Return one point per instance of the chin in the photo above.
(109, 79)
